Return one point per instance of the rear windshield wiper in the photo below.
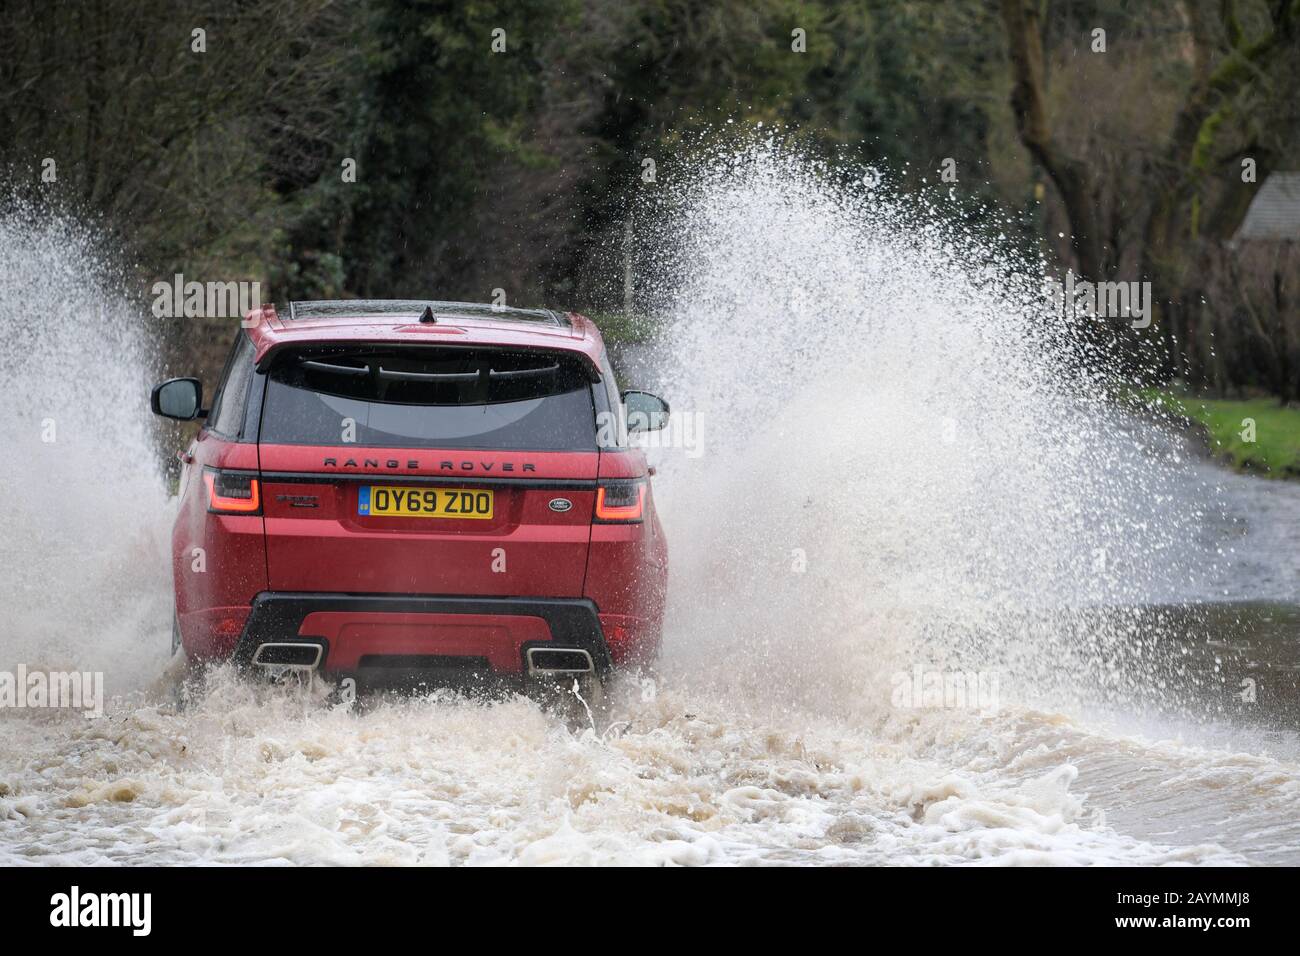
(352, 371)
(522, 373)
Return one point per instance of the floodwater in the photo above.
(928, 603)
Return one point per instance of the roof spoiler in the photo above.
(275, 352)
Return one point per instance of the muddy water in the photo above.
(684, 776)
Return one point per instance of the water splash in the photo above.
(86, 582)
(909, 463)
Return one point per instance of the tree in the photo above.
(1186, 191)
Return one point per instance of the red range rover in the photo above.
(429, 486)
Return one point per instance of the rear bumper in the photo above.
(353, 627)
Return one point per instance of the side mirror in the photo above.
(178, 398)
(645, 412)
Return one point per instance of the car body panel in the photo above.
(218, 561)
(525, 549)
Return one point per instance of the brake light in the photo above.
(621, 501)
(233, 493)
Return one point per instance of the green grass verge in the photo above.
(1275, 452)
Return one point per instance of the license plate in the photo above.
(407, 502)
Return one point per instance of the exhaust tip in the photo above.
(297, 654)
(559, 660)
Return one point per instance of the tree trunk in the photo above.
(1070, 176)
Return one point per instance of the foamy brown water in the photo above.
(264, 776)
(901, 472)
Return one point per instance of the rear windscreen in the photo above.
(430, 398)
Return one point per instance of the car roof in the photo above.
(398, 321)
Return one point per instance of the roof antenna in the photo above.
(427, 314)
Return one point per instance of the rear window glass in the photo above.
(430, 398)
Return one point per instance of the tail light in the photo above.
(233, 492)
(620, 502)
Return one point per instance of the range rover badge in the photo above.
(561, 504)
